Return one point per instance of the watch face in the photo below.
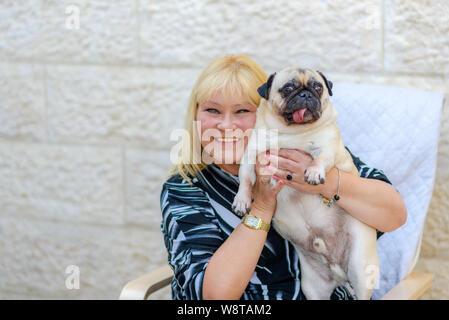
(252, 222)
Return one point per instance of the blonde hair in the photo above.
(229, 74)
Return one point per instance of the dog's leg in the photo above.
(362, 279)
(363, 264)
(316, 172)
(359, 280)
(242, 200)
(247, 178)
(314, 284)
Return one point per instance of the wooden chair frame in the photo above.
(410, 288)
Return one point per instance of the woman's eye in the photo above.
(243, 111)
(212, 110)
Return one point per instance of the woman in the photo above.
(214, 255)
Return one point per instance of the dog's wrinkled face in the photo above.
(297, 96)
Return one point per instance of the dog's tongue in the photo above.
(298, 115)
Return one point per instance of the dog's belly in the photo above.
(319, 231)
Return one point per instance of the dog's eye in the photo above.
(288, 90)
(318, 88)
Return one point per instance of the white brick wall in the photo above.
(86, 114)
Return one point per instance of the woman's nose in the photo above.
(227, 123)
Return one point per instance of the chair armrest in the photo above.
(411, 287)
(142, 287)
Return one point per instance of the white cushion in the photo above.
(396, 130)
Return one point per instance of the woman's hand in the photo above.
(264, 193)
(292, 162)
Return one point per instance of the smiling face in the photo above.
(298, 96)
(226, 122)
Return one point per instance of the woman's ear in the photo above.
(264, 90)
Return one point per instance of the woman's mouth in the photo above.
(227, 140)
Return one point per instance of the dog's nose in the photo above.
(305, 94)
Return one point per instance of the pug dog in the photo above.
(334, 248)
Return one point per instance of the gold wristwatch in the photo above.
(255, 223)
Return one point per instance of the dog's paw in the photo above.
(315, 175)
(242, 203)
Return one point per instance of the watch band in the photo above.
(255, 223)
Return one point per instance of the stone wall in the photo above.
(91, 89)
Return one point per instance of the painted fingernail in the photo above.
(276, 178)
(281, 182)
(289, 177)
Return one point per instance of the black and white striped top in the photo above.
(197, 219)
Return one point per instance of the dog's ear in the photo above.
(264, 90)
(329, 84)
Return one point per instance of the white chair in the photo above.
(388, 129)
